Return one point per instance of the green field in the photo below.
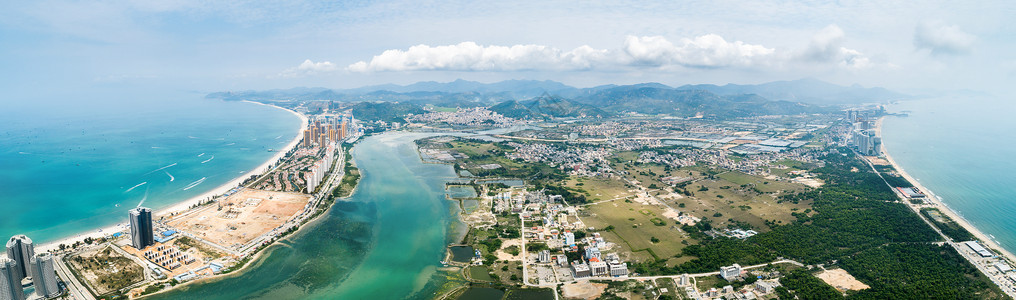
(634, 235)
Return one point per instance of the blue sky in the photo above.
(226, 45)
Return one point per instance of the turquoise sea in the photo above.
(78, 163)
(962, 149)
(385, 241)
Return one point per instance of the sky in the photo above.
(60, 46)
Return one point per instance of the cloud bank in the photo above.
(826, 48)
(942, 39)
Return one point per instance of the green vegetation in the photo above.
(856, 220)
(385, 111)
(949, 227)
(805, 286)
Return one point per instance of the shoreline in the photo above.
(948, 211)
(187, 203)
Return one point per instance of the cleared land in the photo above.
(243, 216)
(106, 270)
(841, 280)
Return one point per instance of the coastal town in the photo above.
(156, 250)
(628, 207)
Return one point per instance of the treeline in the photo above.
(854, 213)
(918, 271)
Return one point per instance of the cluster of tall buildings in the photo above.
(317, 172)
(331, 129)
(21, 263)
(862, 136)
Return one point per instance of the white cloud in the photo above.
(826, 46)
(942, 39)
(704, 51)
(469, 56)
(309, 67)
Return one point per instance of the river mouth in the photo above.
(385, 240)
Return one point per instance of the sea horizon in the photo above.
(76, 168)
(958, 148)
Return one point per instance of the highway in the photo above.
(75, 289)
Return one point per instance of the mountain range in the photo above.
(528, 99)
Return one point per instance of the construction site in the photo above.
(234, 222)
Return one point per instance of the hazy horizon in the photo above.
(205, 47)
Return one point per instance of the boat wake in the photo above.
(134, 187)
(202, 154)
(171, 178)
(210, 159)
(159, 169)
(195, 183)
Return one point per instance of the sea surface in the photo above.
(964, 150)
(385, 241)
(78, 163)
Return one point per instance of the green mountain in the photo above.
(689, 103)
(545, 107)
(385, 111)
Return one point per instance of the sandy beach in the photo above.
(984, 239)
(186, 204)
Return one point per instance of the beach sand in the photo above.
(186, 204)
(984, 239)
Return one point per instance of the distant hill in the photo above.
(545, 107)
(385, 111)
(472, 93)
(688, 103)
(807, 90)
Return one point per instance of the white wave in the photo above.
(210, 159)
(202, 154)
(133, 187)
(230, 144)
(195, 183)
(154, 147)
(160, 169)
(171, 178)
(143, 198)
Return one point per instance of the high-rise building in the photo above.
(345, 130)
(332, 134)
(307, 138)
(20, 249)
(141, 228)
(44, 275)
(10, 281)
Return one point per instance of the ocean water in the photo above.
(963, 150)
(385, 241)
(79, 163)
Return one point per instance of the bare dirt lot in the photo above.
(583, 290)
(242, 216)
(841, 280)
(105, 269)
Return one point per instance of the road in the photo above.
(75, 289)
(1000, 280)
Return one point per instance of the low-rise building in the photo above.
(731, 273)
(618, 270)
(581, 270)
(598, 268)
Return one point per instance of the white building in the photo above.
(598, 267)
(569, 238)
(731, 273)
(618, 270)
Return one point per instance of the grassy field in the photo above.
(634, 229)
(599, 188)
